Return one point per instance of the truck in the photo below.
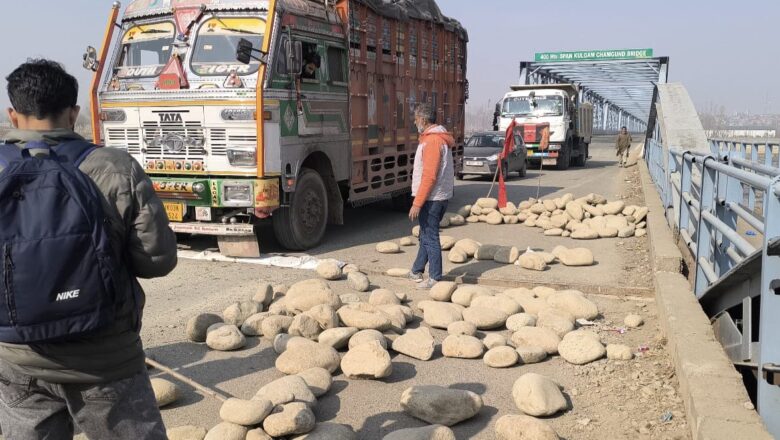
(556, 107)
(245, 111)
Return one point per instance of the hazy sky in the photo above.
(724, 52)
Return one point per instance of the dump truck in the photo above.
(556, 107)
(275, 110)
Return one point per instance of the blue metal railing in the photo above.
(725, 205)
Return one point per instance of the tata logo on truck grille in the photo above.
(170, 117)
(173, 143)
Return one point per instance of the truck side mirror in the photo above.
(244, 51)
(90, 59)
(294, 57)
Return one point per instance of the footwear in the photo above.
(416, 277)
(427, 284)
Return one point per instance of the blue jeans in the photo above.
(429, 252)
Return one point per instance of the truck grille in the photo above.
(125, 138)
(219, 140)
(185, 130)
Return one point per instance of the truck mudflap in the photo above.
(234, 240)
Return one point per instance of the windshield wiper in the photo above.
(154, 31)
(238, 31)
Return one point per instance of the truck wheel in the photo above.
(301, 225)
(564, 157)
(580, 160)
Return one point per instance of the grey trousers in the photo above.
(32, 409)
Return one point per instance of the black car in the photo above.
(481, 155)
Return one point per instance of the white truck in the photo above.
(536, 106)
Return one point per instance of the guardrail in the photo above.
(725, 206)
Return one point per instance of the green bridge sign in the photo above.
(595, 55)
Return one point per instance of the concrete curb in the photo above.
(716, 402)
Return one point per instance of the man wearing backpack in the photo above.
(78, 224)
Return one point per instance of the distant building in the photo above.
(743, 131)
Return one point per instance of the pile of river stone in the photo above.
(310, 325)
(585, 218)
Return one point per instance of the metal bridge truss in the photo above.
(621, 91)
(725, 205)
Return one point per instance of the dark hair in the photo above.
(42, 88)
(624, 128)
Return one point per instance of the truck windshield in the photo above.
(215, 46)
(145, 50)
(545, 106)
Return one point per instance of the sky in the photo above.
(720, 51)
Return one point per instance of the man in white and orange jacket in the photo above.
(432, 188)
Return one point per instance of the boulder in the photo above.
(581, 347)
(439, 405)
(337, 337)
(467, 245)
(397, 314)
(532, 261)
(442, 291)
(607, 232)
(640, 232)
(416, 231)
(253, 325)
(407, 241)
(566, 234)
(584, 233)
(445, 222)
(617, 221)
(573, 257)
(543, 292)
(594, 211)
(485, 318)
(237, 313)
(258, 434)
(366, 336)
(300, 358)
(328, 431)
(627, 231)
(619, 352)
(226, 431)
(503, 303)
(282, 340)
(560, 221)
(446, 242)
(465, 293)
(528, 300)
(325, 316)
(557, 322)
(457, 256)
(511, 220)
(367, 361)
(317, 379)
(457, 220)
(549, 205)
(509, 209)
(520, 427)
(165, 391)
(464, 211)
(198, 324)
(304, 295)
(383, 296)
(388, 247)
(430, 432)
(418, 344)
(186, 432)
(305, 326)
(285, 390)
(275, 324)
(364, 316)
(489, 203)
(225, 338)
(349, 268)
(472, 219)
(640, 214)
(462, 328)
(476, 210)
(536, 395)
(358, 281)
(633, 321)
(329, 270)
(279, 307)
(245, 412)
(537, 208)
(531, 354)
(554, 232)
(493, 340)
(494, 218)
(514, 322)
(397, 272)
(462, 346)
(537, 336)
(501, 357)
(290, 419)
(575, 211)
(575, 303)
(506, 255)
(441, 315)
(486, 252)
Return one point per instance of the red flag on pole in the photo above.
(509, 145)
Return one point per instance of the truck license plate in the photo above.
(549, 161)
(175, 211)
(474, 163)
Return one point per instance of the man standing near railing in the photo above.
(623, 145)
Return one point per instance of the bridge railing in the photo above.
(725, 205)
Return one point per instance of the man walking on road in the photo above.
(94, 379)
(623, 145)
(432, 188)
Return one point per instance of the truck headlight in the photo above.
(493, 158)
(237, 193)
(242, 157)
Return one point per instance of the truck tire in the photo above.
(580, 160)
(301, 226)
(564, 157)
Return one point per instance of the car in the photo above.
(482, 151)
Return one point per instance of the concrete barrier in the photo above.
(716, 402)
